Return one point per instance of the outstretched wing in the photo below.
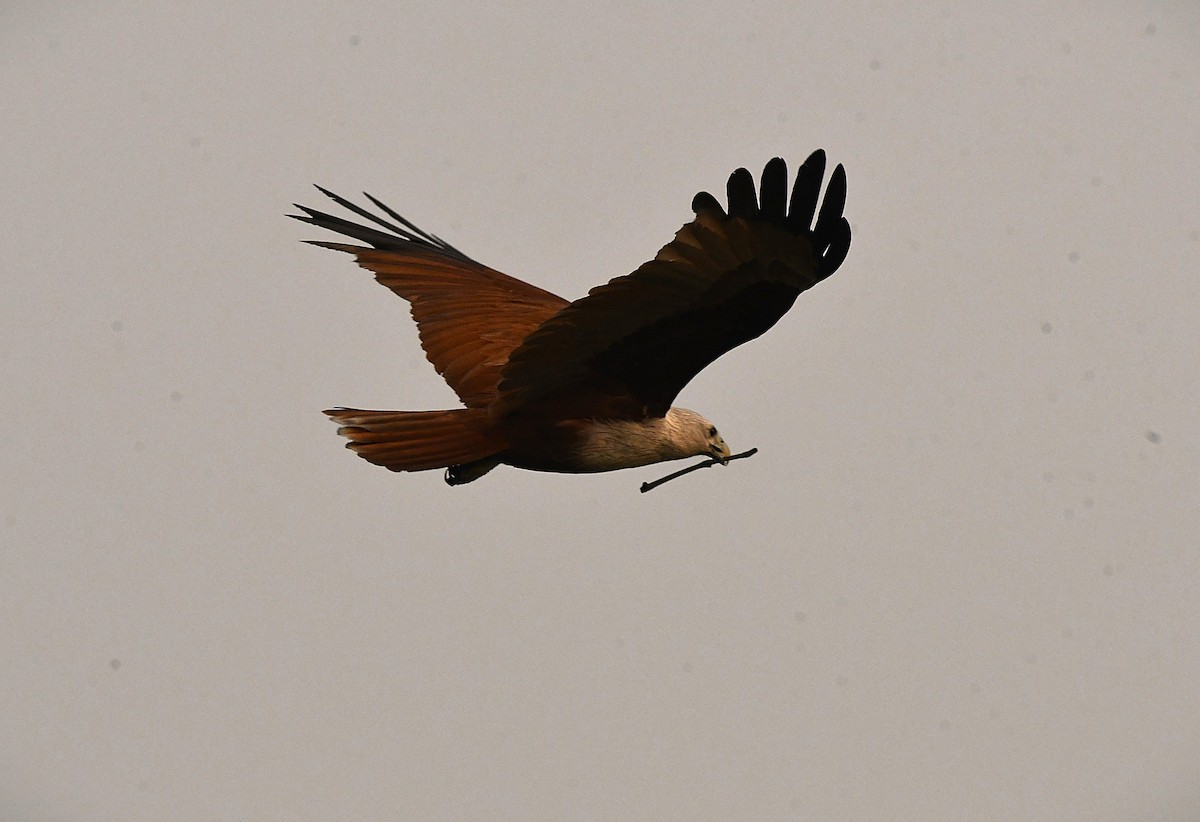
(724, 280)
(469, 317)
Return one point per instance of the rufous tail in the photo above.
(420, 440)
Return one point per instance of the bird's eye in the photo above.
(712, 430)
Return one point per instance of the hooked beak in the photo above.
(720, 451)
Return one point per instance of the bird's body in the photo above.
(593, 445)
(587, 386)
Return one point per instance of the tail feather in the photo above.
(418, 440)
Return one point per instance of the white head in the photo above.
(694, 435)
(606, 445)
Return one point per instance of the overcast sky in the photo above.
(960, 580)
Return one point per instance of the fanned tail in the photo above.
(421, 440)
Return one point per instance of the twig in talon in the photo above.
(708, 463)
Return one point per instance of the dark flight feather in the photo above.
(725, 279)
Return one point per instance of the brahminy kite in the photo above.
(585, 386)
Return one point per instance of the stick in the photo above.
(708, 463)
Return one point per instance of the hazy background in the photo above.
(960, 581)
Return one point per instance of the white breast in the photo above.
(608, 445)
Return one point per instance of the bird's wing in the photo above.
(469, 317)
(725, 279)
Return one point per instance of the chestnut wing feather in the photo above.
(725, 279)
(469, 317)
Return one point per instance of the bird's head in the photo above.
(702, 437)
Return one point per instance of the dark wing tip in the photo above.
(773, 190)
(831, 234)
(706, 202)
(743, 199)
(371, 236)
(839, 245)
(397, 235)
(803, 212)
(806, 192)
(835, 197)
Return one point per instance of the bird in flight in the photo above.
(588, 386)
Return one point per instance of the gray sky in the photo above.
(961, 580)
